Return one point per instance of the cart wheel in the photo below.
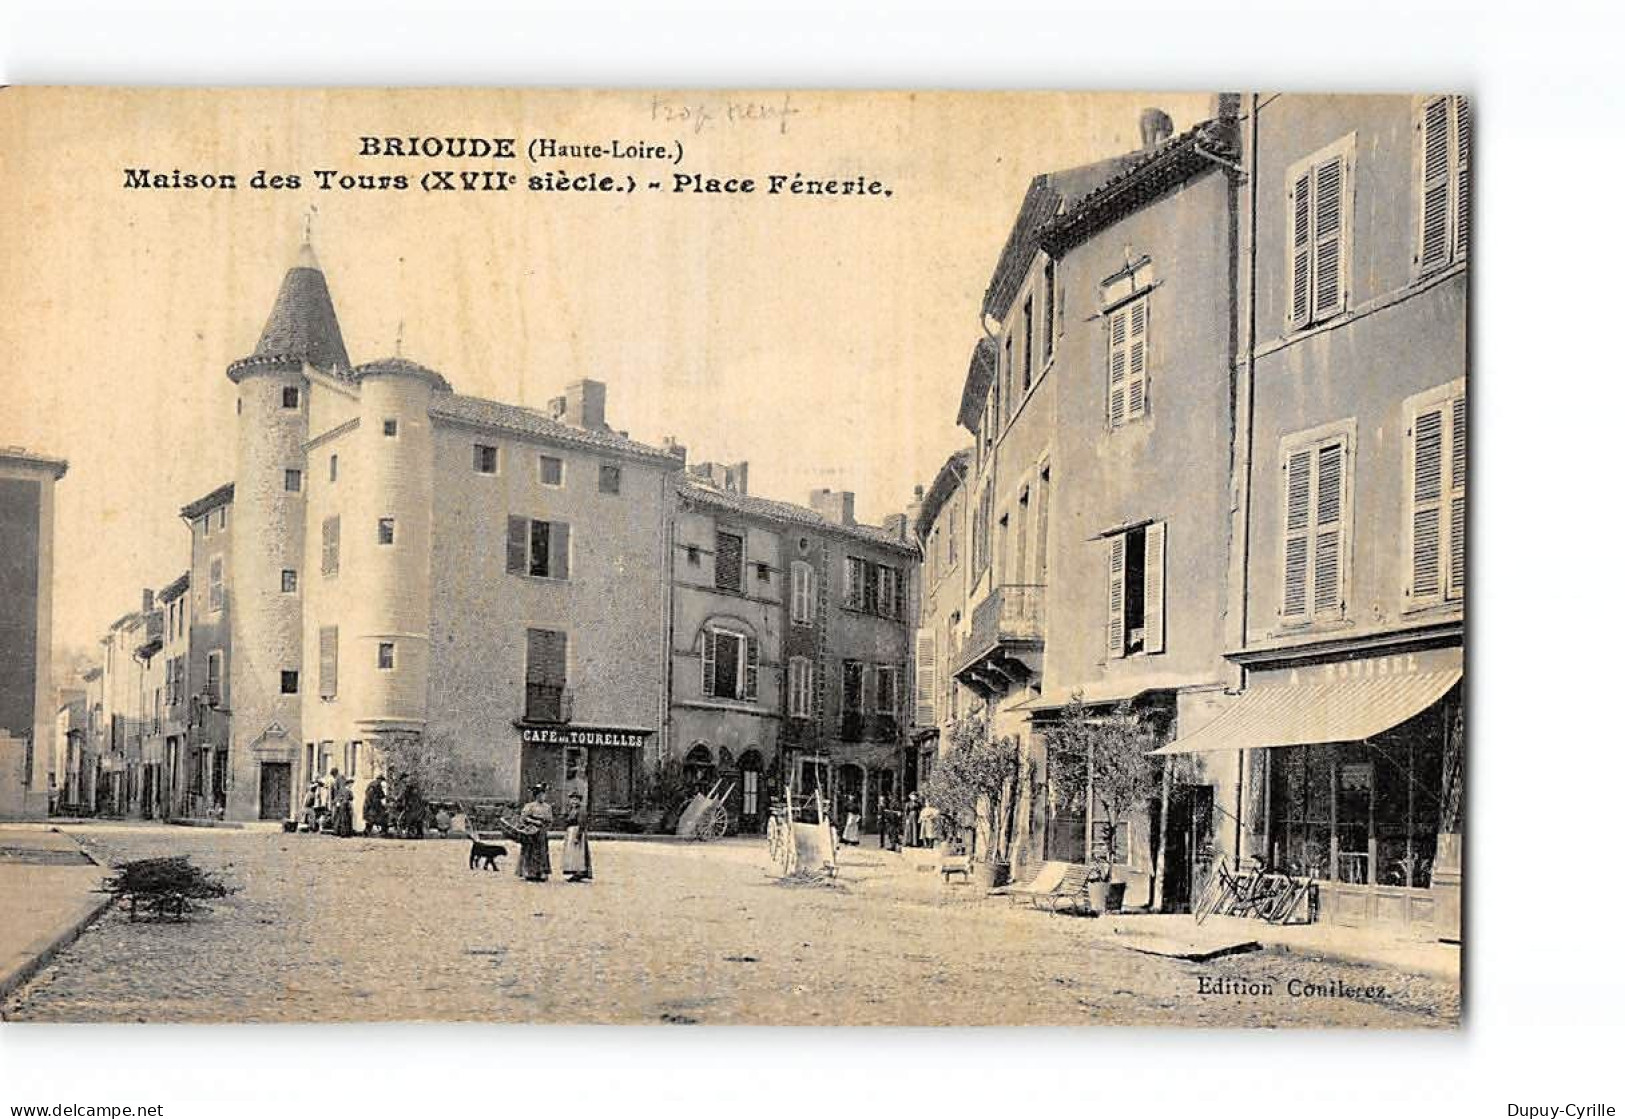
(716, 823)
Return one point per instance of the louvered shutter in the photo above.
(1139, 319)
(330, 547)
(1458, 497)
(1329, 281)
(1298, 250)
(1434, 232)
(1328, 579)
(854, 582)
(328, 659)
(900, 594)
(558, 550)
(1114, 597)
(925, 678)
(1117, 367)
(1295, 565)
(1427, 486)
(730, 560)
(518, 534)
(1156, 545)
(708, 661)
(1463, 172)
(1041, 532)
(753, 654)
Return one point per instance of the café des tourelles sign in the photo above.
(560, 734)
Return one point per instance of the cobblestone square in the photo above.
(368, 929)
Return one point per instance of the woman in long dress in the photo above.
(577, 864)
(911, 821)
(849, 834)
(534, 820)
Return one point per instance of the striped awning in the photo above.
(1340, 710)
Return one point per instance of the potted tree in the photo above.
(1107, 760)
(973, 786)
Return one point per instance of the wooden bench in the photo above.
(955, 864)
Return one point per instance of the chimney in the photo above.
(671, 446)
(146, 601)
(834, 506)
(1226, 107)
(730, 477)
(896, 525)
(584, 405)
(1155, 127)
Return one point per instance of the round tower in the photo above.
(268, 537)
(392, 503)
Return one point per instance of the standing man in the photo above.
(374, 809)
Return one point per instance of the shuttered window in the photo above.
(803, 593)
(537, 548)
(1049, 309)
(730, 562)
(217, 583)
(546, 652)
(886, 689)
(852, 687)
(854, 583)
(330, 546)
(1128, 336)
(1443, 143)
(1317, 236)
(731, 664)
(328, 658)
(1135, 586)
(925, 678)
(1315, 538)
(1438, 490)
(800, 688)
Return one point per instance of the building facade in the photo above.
(27, 694)
(1347, 618)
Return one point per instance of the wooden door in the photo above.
(276, 790)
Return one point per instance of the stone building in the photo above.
(204, 754)
(27, 694)
(941, 515)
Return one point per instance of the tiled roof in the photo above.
(400, 366)
(947, 480)
(787, 512)
(220, 495)
(177, 588)
(984, 363)
(514, 420)
(19, 456)
(303, 323)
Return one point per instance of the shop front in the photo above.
(600, 764)
(1353, 779)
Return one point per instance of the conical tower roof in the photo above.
(303, 324)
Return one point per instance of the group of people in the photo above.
(530, 830)
(914, 823)
(388, 807)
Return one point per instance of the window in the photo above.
(953, 535)
(292, 480)
(803, 593)
(214, 672)
(729, 664)
(853, 599)
(222, 519)
(800, 688)
(485, 459)
(1437, 452)
(390, 429)
(217, 583)
(852, 674)
(1001, 386)
(332, 468)
(386, 656)
(538, 548)
(290, 682)
(328, 675)
(730, 560)
(1049, 310)
(386, 530)
(764, 574)
(693, 556)
(1128, 330)
(609, 478)
(874, 588)
(290, 396)
(330, 546)
(1134, 590)
(573, 763)
(552, 471)
(886, 689)
(886, 591)
(1315, 537)
(290, 581)
(1041, 530)
(982, 529)
(1026, 346)
(1443, 136)
(546, 661)
(1318, 223)
(925, 678)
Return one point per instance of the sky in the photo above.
(823, 340)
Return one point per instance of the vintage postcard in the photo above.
(733, 557)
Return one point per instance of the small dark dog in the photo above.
(485, 854)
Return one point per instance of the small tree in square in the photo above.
(977, 769)
(1115, 750)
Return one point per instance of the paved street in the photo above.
(326, 929)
